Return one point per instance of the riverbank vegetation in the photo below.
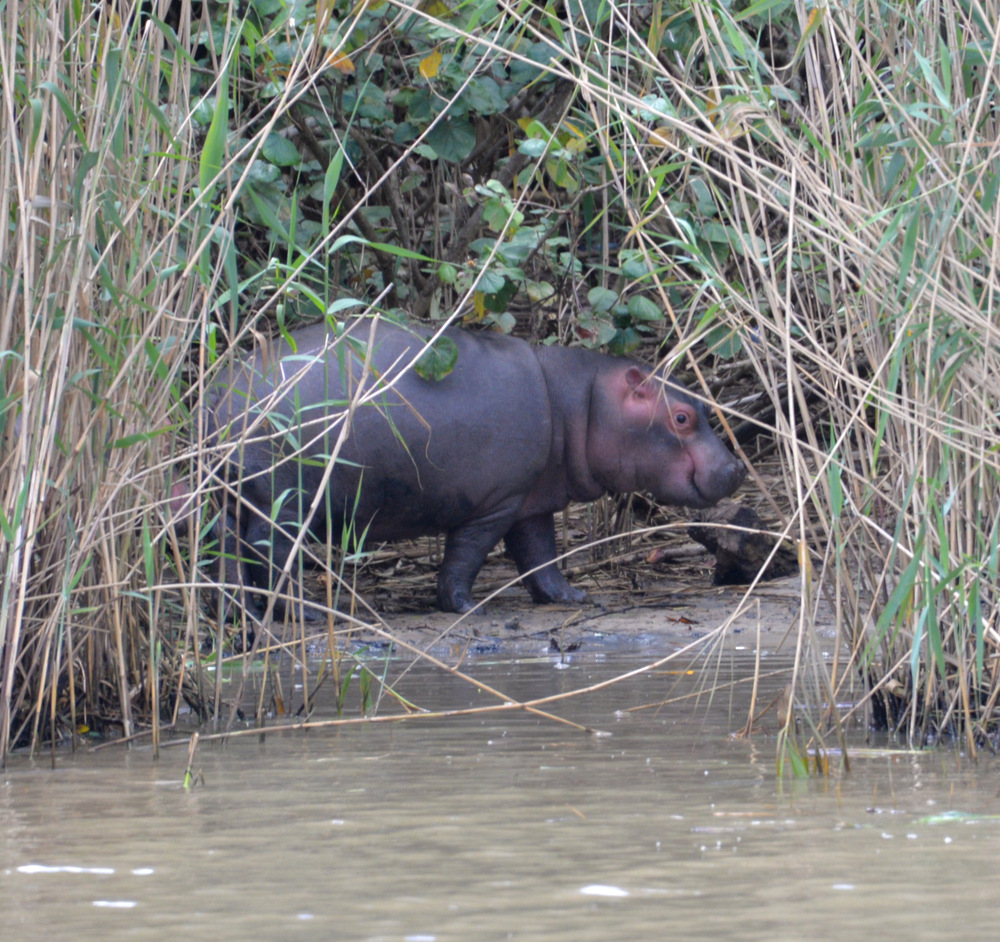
(799, 199)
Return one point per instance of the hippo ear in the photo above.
(638, 385)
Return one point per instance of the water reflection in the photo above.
(501, 826)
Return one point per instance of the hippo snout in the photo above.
(721, 478)
(735, 473)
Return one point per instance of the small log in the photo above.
(741, 544)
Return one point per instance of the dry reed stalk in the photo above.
(835, 211)
(862, 266)
(88, 324)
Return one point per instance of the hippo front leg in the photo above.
(465, 551)
(221, 539)
(532, 545)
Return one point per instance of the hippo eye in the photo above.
(683, 419)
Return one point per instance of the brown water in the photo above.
(501, 827)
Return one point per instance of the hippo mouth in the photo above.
(703, 493)
(684, 493)
(730, 479)
(697, 497)
(680, 488)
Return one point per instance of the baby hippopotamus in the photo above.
(491, 451)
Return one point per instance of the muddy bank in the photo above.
(510, 625)
(631, 606)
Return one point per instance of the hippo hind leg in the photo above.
(532, 545)
(265, 549)
(221, 560)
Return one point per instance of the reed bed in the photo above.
(808, 195)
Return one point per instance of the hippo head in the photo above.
(647, 434)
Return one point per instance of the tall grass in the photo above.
(823, 212)
(849, 197)
(96, 309)
(864, 217)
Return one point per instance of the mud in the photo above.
(631, 606)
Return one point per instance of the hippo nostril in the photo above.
(734, 474)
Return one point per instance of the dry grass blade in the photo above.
(93, 346)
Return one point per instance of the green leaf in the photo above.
(267, 209)
(901, 599)
(798, 762)
(634, 265)
(703, 197)
(37, 116)
(330, 181)
(932, 79)
(624, 342)
(203, 111)
(214, 150)
(68, 109)
(505, 321)
(280, 151)
(260, 171)
(482, 95)
(149, 564)
(724, 342)
(386, 247)
(496, 213)
(498, 301)
(369, 102)
(562, 174)
(539, 291)
(88, 161)
(490, 282)
(265, 8)
(452, 139)
(594, 331)
(717, 233)
(644, 309)
(437, 360)
(533, 147)
(759, 9)
(908, 254)
(602, 299)
(343, 304)
(835, 482)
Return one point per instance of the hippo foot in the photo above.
(458, 606)
(566, 596)
(455, 599)
(549, 586)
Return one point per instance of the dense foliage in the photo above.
(445, 161)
